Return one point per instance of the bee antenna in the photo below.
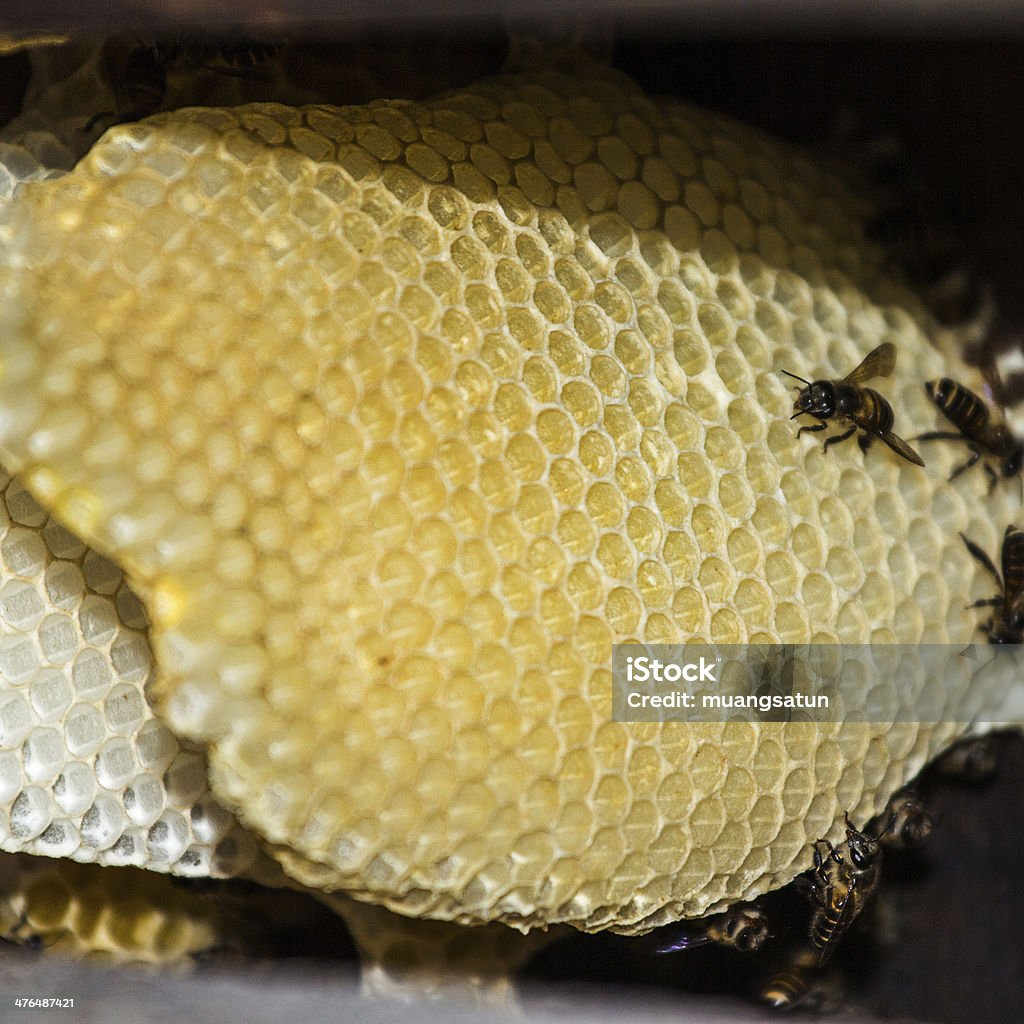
(871, 839)
(795, 377)
(887, 829)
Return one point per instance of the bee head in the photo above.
(1012, 463)
(749, 930)
(817, 399)
(979, 760)
(864, 849)
(917, 823)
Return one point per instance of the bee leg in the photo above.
(980, 555)
(835, 439)
(991, 602)
(993, 478)
(813, 429)
(865, 441)
(813, 893)
(819, 870)
(819, 860)
(975, 455)
(938, 435)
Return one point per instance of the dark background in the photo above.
(945, 942)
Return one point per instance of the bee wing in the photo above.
(994, 389)
(879, 362)
(1013, 594)
(900, 447)
(684, 941)
(843, 922)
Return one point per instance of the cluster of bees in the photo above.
(844, 879)
(986, 435)
(137, 69)
(839, 888)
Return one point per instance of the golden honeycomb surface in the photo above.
(398, 416)
(124, 916)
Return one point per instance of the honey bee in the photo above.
(976, 426)
(841, 889)
(801, 985)
(970, 761)
(741, 928)
(137, 78)
(236, 54)
(919, 237)
(138, 70)
(911, 823)
(846, 400)
(1007, 623)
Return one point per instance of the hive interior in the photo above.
(397, 416)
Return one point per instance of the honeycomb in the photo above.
(87, 771)
(125, 916)
(398, 416)
(436, 959)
